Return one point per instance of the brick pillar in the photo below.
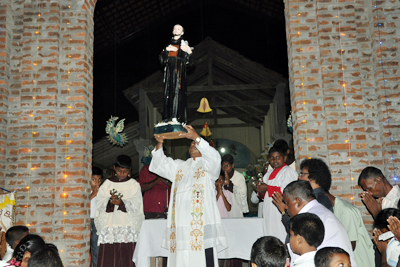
(339, 123)
(5, 48)
(385, 39)
(46, 129)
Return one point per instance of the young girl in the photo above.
(275, 181)
(224, 198)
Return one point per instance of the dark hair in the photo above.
(227, 158)
(323, 257)
(268, 251)
(123, 161)
(299, 189)
(97, 171)
(282, 143)
(318, 171)
(278, 149)
(46, 257)
(381, 219)
(369, 173)
(309, 226)
(15, 233)
(31, 243)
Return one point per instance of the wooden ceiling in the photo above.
(239, 87)
(118, 21)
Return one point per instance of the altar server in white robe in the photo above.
(194, 233)
(275, 181)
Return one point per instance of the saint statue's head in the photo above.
(178, 31)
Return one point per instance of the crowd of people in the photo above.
(304, 224)
(26, 249)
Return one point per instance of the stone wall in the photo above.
(338, 90)
(46, 94)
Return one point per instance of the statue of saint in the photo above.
(176, 58)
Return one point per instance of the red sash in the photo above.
(272, 189)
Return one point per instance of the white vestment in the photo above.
(335, 233)
(194, 222)
(119, 226)
(273, 225)
(255, 200)
(391, 199)
(239, 200)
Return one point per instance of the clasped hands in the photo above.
(393, 226)
(374, 206)
(115, 197)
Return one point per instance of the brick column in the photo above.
(344, 125)
(385, 37)
(5, 48)
(46, 94)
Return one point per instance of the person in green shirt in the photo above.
(352, 221)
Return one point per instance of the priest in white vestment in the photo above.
(194, 230)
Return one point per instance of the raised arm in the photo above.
(161, 164)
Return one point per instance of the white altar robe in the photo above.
(194, 222)
(118, 226)
(273, 225)
(239, 200)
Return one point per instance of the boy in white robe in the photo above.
(194, 233)
(275, 181)
(119, 216)
(306, 233)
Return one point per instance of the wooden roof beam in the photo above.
(215, 88)
(228, 104)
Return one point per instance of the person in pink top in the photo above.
(224, 198)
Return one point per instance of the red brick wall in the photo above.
(38, 112)
(336, 34)
(322, 123)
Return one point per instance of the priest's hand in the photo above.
(160, 140)
(191, 134)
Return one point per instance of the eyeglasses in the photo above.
(302, 173)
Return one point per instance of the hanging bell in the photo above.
(206, 130)
(204, 106)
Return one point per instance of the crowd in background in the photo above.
(304, 224)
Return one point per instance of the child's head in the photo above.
(122, 166)
(46, 257)
(306, 233)
(15, 234)
(97, 176)
(332, 257)
(277, 156)
(227, 163)
(381, 223)
(268, 251)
